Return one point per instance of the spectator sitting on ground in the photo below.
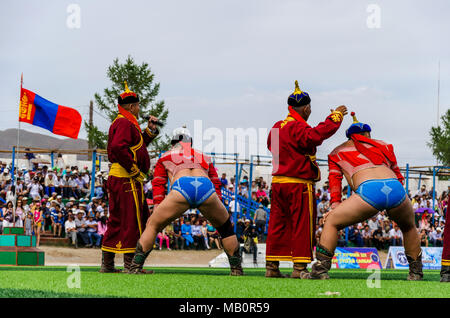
(177, 234)
(423, 238)
(436, 237)
(91, 227)
(250, 240)
(377, 238)
(186, 230)
(163, 236)
(71, 230)
(197, 235)
(396, 236)
(213, 235)
(81, 229)
(367, 236)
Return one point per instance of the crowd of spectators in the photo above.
(56, 202)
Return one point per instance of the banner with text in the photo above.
(356, 257)
(431, 258)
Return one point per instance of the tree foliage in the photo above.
(440, 140)
(140, 79)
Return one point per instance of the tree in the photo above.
(440, 140)
(140, 80)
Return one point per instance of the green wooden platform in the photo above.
(18, 249)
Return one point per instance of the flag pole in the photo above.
(16, 175)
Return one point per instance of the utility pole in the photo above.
(91, 122)
(438, 97)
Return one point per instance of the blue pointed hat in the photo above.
(356, 127)
(298, 98)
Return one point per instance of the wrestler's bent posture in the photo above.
(194, 184)
(370, 167)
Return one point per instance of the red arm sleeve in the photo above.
(307, 136)
(334, 180)
(395, 167)
(159, 183)
(120, 143)
(148, 136)
(212, 174)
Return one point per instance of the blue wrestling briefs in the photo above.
(382, 194)
(194, 189)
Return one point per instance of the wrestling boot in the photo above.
(445, 274)
(108, 263)
(415, 267)
(137, 263)
(236, 263)
(323, 264)
(273, 271)
(127, 260)
(300, 271)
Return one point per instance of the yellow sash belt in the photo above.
(118, 171)
(284, 179)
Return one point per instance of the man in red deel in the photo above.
(293, 144)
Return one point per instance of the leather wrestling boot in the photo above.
(300, 271)
(273, 271)
(445, 274)
(235, 261)
(415, 267)
(108, 263)
(137, 263)
(127, 260)
(323, 264)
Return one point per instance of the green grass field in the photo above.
(211, 283)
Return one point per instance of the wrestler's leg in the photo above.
(403, 215)
(217, 214)
(349, 212)
(172, 207)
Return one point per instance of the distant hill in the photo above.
(8, 138)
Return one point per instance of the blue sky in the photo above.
(233, 63)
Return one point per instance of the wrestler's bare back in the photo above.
(188, 172)
(378, 172)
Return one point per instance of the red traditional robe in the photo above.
(128, 210)
(293, 144)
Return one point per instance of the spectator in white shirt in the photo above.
(436, 237)
(396, 236)
(35, 188)
(234, 206)
(373, 224)
(71, 230)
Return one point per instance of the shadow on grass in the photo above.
(31, 293)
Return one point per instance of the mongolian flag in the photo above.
(60, 120)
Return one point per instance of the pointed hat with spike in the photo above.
(356, 127)
(298, 98)
(128, 97)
